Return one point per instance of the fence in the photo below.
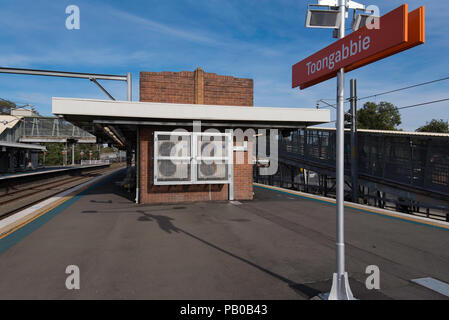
(51, 127)
(419, 161)
(94, 162)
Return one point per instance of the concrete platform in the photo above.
(278, 246)
(45, 171)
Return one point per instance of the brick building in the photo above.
(195, 87)
(183, 133)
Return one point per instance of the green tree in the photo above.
(6, 106)
(85, 148)
(54, 155)
(382, 116)
(437, 126)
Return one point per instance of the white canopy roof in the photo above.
(190, 112)
(109, 119)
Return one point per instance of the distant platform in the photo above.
(46, 170)
(278, 246)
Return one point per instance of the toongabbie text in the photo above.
(354, 48)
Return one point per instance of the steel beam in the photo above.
(204, 123)
(102, 89)
(63, 74)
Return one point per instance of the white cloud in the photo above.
(152, 25)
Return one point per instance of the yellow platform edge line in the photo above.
(51, 207)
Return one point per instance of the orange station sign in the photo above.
(399, 30)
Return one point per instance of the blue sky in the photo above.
(258, 39)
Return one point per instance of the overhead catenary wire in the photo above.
(415, 105)
(405, 88)
(423, 104)
(398, 90)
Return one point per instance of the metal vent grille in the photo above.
(212, 155)
(192, 158)
(212, 171)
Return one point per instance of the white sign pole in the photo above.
(340, 285)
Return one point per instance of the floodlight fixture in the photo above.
(327, 15)
(329, 3)
(355, 5)
(319, 16)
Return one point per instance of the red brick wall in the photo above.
(179, 87)
(183, 87)
(243, 175)
(169, 87)
(151, 193)
(227, 90)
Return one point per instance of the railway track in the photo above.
(27, 195)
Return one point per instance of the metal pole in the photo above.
(340, 286)
(231, 166)
(102, 89)
(340, 155)
(354, 151)
(73, 154)
(63, 74)
(130, 88)
(129, 96)
(137, 160)
(65, 154)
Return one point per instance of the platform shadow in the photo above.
(166, 224)
(109, 186)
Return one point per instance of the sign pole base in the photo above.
(340, 289)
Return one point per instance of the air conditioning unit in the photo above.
(209, 170)
(173, 149)
(183, 158)
(212, 149)
(212, 165)
(172, 169)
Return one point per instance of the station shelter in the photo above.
(195, 135)
(14, 155)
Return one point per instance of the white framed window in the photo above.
(192, 158)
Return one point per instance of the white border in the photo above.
(194, 158)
